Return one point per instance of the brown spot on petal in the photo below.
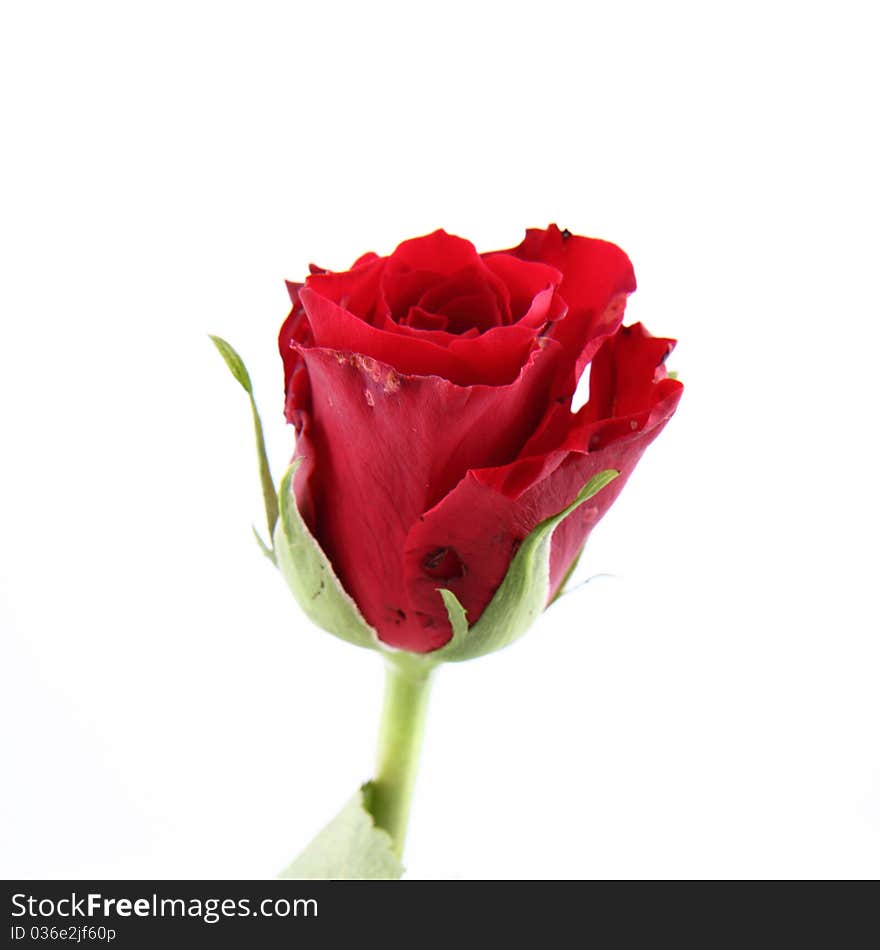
(444, 564)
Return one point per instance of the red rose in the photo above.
(431, 391)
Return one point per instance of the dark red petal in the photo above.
(355, 290)
(477, 312)
(524, 280)
(439, 253)
(596, 278)
(401, 288)
(440, 337)
(419, 319)
(387, 447)
(293, 290)
(467, 298)
(625, 370)
(486, 516)
(295, 330)
(494, 359)
(625, 379)
(433, 270)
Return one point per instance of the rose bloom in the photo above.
(431, 391)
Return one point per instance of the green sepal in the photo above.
(310, 575)
(458, 618)
(261, 544)
(350, 848)
(239, 371)
(522, 595)
(561, 590)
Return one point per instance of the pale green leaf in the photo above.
(239, 371)
(234, 362)
(350, 848)
(522, 595)
(310, 575)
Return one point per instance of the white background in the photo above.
(710, 710)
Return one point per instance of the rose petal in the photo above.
(486, 516)
(387, 448)
(494, 358)
(400, 288)
(596, 278)
(419, 319)
(294, 330)
(438, 252)
(467, 298)
(624, 371)
(355, 291)
(525, 281)
(418, 266)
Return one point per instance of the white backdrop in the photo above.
(709, 710)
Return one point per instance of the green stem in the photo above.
(407, 685)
